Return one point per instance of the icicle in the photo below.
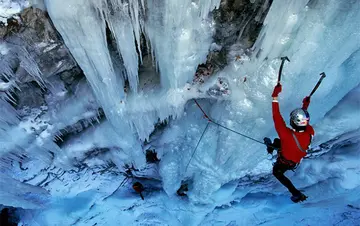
(122, 26)
(134, 12)
(5, 69)
(180, 38)
(84, 33)
(177, 35)
(28, 63)
(14, 54)
(97, 120)
(207, 6)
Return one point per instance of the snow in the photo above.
(330, 181)
(15, 193)
(9, 8)
(3, 48)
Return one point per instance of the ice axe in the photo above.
(323, 75)
(281, 67)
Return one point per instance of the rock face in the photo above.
(35, 47)
(38, 75)
(44, 43)
(238, 23)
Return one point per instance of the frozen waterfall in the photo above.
(120, 110)
(177, 33)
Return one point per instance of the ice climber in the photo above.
(293, 142)
(139, 188)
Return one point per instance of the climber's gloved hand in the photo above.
(306, 102)
(277, 90)
(268, 144)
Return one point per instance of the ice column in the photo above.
(180, 33)
(82, 25)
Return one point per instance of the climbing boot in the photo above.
(298, 198)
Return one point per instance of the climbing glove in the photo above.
(306, 102)
(268, 144)
(277, 90)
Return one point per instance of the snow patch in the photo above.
(8, 8)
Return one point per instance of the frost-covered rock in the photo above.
(8, 8)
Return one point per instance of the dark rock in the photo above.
(51, 55)
(30, 95)
(182, 191)
(72, 75)
(240, 21)
(33, 34)
(151, 156)
(13, 26)
(8, 217)
(237, 22)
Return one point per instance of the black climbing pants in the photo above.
(280, 167)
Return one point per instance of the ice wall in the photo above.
(342, 118)
(17, 194)
(180, 34)
(177, 33)
(317, 37)
(83, 27)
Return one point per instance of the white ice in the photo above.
(315, 35)
(330, 181)
(10, 7)
(170, 28)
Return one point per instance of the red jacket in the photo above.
(289, 148)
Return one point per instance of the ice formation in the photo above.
(312, 37)
(330, 182)
(168, 34)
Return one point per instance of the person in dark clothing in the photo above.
(7, 217)
(293, 142)
(139, 188)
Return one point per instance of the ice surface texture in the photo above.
(316, 36)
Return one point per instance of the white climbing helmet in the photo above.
(299, 118)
